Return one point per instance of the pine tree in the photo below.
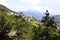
(48, 21)
(45, 18)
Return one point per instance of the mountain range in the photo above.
(57, 20)
(38, 15)
(33, 13)
(2, 7)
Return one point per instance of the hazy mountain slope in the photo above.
(57, 19)
(4, 8)
(35, 14)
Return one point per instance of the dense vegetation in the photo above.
(20, 27)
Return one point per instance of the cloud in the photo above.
(52, 5)
(3, 2)
(23, 4)
(40, 5)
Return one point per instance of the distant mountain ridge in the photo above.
(2, 7)
(57, 19)
(33, 13)
(38, 15)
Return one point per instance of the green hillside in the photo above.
(21, 27)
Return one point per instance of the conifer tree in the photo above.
(48, 21)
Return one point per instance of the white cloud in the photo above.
(23, 4)
(51, 1)
(3, 2)
(39, 5)
(52, 5)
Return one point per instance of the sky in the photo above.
(39, 5)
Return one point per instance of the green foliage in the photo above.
(20, 27)
(47, 30)
(47, 33)
(4, 30)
